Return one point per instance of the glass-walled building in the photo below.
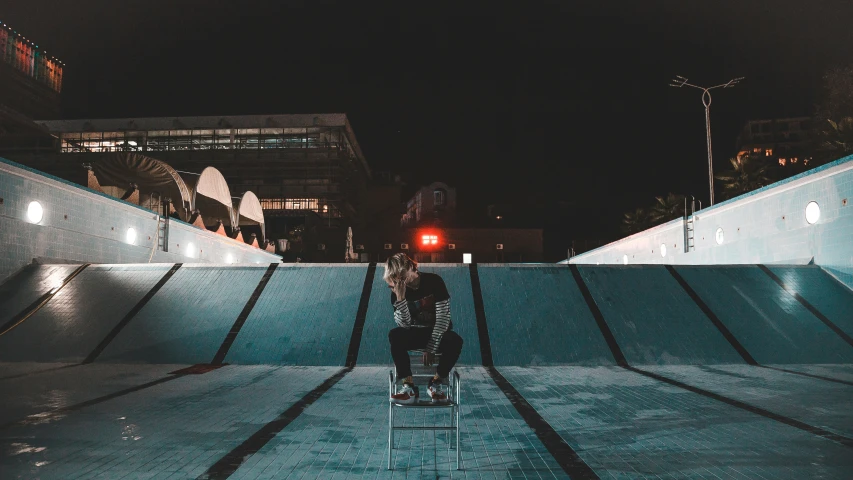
(297, 165)
(206, 139)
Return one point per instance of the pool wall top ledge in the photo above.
(767, 226)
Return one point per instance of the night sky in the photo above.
(551, 101)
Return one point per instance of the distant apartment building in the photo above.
(782, 141)
(434, 204)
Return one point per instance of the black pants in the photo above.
(405, 339)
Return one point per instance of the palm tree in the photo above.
(747, 174)
(636, 221)
(667, 208)
(834, 139)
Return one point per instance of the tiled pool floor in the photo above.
(141, 421)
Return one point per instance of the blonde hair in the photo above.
(397, 265)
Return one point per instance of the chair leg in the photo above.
(458, 446)
(390, 432)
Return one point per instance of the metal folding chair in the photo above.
(453, 402)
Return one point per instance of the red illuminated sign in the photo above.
(429, 239)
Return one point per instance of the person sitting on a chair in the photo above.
(422, 312)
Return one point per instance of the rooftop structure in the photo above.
(30, 78)
(297, 165)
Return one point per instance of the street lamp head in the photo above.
(678, 81)
(733, 82)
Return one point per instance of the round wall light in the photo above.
(130, 236)
(812, 212)
(719, 236)
(662, 249)
(190, 250)
(229, 258)
(34, 212)
(625, 259)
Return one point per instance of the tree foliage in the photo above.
(668, 208)
(636, 221)
(832, 133)
(664, 209)
(747, 173)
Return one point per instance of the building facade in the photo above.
(434, 204)
(30, 78)
(297, 165)
(782, 141)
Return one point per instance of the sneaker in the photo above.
(436, 392)
(407, 394)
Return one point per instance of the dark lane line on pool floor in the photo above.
(129, 315)
(244, 315)
(565, 456)
(231, 461)
(361, 316)
(808, 306)
(60, 412)
(40, 302)
(617, 353)
(730, 336)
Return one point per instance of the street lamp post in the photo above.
(679, 82)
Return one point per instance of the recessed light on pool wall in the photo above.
(34, 212)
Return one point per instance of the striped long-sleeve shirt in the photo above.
(428, 306)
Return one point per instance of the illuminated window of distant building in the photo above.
(794, 159)
(430, 239)
(768, 152)
(782, 161)
(806, 161)
(756, 150)
(440, 196)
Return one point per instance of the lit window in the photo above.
(806, 161)
(782, 161)
(440, 196)
(756, 150)
(794, 159)
(131, 236)
(662, 250)
(499, 217)
(430, 239)
(625, 259)
(466, 258)
(768, 152)
(719, 236)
